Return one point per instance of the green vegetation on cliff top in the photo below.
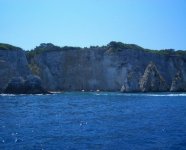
(112, 47)
(4, 46)
(45, 47)
(119, 46)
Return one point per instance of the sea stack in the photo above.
(152, 81)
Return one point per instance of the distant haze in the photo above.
(154, 24)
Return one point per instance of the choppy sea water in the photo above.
(108, 121)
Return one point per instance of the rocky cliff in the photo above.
(114, 67)
(13, 62)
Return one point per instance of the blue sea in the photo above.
(93, 121)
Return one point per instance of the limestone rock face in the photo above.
(102, 68)
(178, 83)
(131, 82)
(5, 73)
(105, 68)
(32, 85)
(12, 63)
(152, 81)
(15, 86)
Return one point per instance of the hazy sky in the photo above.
(154, 24)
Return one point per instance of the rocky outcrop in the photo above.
(178, 83)
(13, 62)
(32, 85)
(15, 86)
(152, 81)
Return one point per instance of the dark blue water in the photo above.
(93, 121)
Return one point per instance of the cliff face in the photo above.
(104, 68)
(13, 62)
(114, 67)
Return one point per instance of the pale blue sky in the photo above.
(154, 24)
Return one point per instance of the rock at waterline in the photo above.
(15, 86)
(32, 85)
(178, 83)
